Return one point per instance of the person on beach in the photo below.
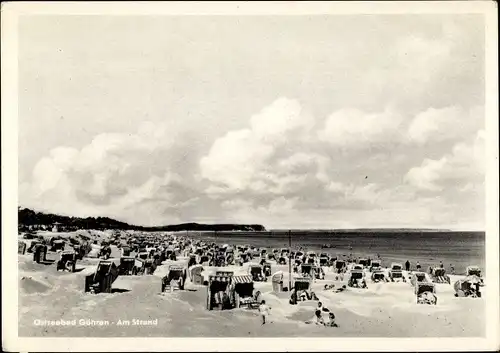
(322, 307)
(264, 311)
(319, 313)
(331, 320)
(303, 296)
(407, 265)
(418, 266)
(341, 289)
(441, 264)
(319, 317)
(226, 302)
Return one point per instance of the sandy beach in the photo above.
(137, 308)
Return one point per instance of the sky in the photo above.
(338, 121)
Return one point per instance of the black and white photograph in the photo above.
(234, 171)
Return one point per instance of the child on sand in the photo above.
(319, 317)
(319, 313)
(264, 311)
(331, 320)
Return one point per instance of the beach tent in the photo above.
(243, 285)
(277, 280)
(21, 247)
(302, 283)
(243, 288)
(95, 250)
(195, 274)
(217, 284)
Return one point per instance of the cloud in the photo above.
(121, 175)
(280, 205)
(283, 118)
(357, 129)
(285, 165)
(233, 158)
(267, 157)
(462, 167)
(236, 204)
(445, 124)
(308, 169)
(354, 128)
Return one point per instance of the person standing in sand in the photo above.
(264, 311)
(441, 264)
(407, 265)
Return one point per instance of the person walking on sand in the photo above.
(441, 264)
(407, 265)
(264, 311)
(418, 266)
(452, 269)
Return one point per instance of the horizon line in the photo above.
(275, 228)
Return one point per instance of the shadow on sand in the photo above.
(47, 262)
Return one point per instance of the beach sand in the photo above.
(382, 310)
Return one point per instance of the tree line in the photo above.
(28, 218)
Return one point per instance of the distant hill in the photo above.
(28, 217)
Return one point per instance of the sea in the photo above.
(455, 249)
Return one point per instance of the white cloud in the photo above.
(280, 206)
(354, 128)
(335, 187)
(462, 166)
(236, 204)
(268, 157)
(118, 175)
(233, 158)
(309, 169)
(443, 124)
(426, 175)
(283, 118)
(285, 166)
